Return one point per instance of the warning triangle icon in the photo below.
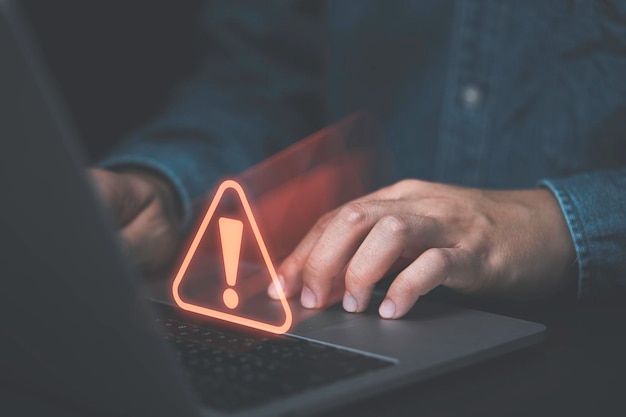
(228, 267)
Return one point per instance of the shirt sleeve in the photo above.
(594, 206)
(256, 92)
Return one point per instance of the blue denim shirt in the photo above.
(483, 93)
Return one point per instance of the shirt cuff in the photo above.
(161, 166)
(575, 228)
(593, 207)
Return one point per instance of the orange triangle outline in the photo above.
(266, 257)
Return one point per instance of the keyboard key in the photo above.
(234, 371)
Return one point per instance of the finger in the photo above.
(380, 249)
(150, 238)
(289, 272)
(336, 246)
(429, 270)
(291, 267)
(273, 292)
(390, 238)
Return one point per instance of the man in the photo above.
(520, 105)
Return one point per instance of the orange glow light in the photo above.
(231, 235)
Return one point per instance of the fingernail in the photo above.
(349, 303)
(387, 309)
(308, 299)
(272, 290)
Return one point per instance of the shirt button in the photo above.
(471, 96)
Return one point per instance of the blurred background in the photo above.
(116, 61)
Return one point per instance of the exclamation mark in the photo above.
(230, 233)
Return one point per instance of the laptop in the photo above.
(80, 337)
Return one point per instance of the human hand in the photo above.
(145, 208)
(501, 243)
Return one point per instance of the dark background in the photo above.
(116, 61)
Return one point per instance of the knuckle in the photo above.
(294, 262)
(355, 277)
(395, 190)
(352, 214)
(407, 183)
(312, 269)
(401, 188)
(394, 225)
(438, 259)
(406, 286)
(322, 222)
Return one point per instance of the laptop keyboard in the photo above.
(235, 371)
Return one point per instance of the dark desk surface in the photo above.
(579, 370)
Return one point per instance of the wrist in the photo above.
(540, 256)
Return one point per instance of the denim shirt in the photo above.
(482, 93)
